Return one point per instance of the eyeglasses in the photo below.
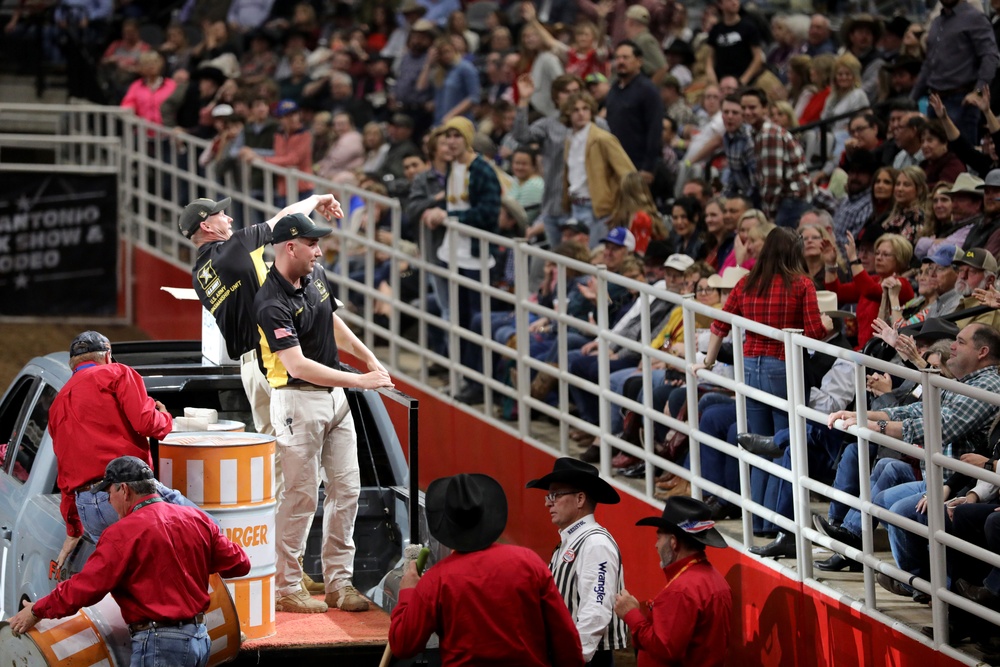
(858, 129)
(885, 255)
(704, 290)
(553, 496)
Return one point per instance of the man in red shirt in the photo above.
(155, 562)
(103, 412)
(688, 621)
(489, 603)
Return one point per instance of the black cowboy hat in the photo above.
(581, 476)
(466, 512)
(687, 516)
(683, 49)
(932, 329)
(857, 20)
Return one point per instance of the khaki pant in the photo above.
(258, 393)
(315, 429)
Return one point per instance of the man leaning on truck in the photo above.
(101, 413)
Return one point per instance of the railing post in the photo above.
(798, 448)
(935, 501)
(523, 385)
(864, 478)
(690, 356)
(603, 370)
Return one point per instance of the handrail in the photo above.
(152, 181)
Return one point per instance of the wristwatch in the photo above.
(855, 262)
(989, 465)
(882, 423)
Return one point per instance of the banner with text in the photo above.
(58, 244)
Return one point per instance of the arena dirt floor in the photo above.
(24, 341)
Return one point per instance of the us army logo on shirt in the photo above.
(208, 279)
(321, 289)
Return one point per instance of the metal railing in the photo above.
(152, 180)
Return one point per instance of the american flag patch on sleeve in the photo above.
(283, 332)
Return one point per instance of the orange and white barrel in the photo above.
(97, 636)
(231, 476)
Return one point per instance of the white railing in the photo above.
(152, 182)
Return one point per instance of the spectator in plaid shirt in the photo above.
(740, 154)
(965, 423)
(855, 208)
(785, 188)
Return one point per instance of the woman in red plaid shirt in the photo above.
(777, 292)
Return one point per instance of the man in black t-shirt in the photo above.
(735, 44)
(300, 340)
(227, 272)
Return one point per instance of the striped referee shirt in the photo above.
(587, 568)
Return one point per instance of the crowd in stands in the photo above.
(840, 181)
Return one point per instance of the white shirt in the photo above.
(457, 192)
(711, 130)
(594, 616)
(576, 164)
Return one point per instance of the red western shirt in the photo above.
(866, 291)
(155, 562)
(688, 621)
(792, 307)
(498, 606)
(103, 412)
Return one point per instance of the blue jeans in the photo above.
(587, 366)
(719, 419)
(822, 450)
(552, 231)
(847, 479)
(766, 374)
(617, 385)
(909, 550)
(888, 473)
(598, 226)
(96, 512)
(790, 211)
(965, 116)
(183, 646)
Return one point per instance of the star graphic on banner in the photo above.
(23, 203)
(21, 281)
(206, 274)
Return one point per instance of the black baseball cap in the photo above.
(89, 341)
(297, 226)
(197, 211)
(123, 470)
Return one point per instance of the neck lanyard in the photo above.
(157, 499)
(694, 561)
(89, 364)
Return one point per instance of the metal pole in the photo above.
(798, 448)
(414, 450)
(935, 502)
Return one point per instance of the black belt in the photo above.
(580, 201)
(152, 625)
(307, 387)
(88, 487)
(960, 90)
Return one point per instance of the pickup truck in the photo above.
(32, 529)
